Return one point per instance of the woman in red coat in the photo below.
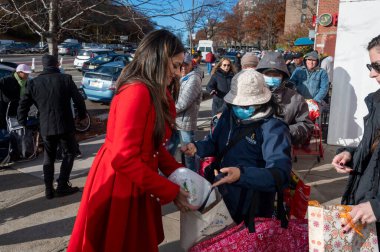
(121, 203)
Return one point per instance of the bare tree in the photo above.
(50, 18)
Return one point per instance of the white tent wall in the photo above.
(358, 23)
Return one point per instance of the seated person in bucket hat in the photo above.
(294, 109)
(246, 165)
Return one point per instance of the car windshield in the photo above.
(109, 70)
(103, 58)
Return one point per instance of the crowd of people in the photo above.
(261, 109)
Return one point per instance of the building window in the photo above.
(304, 4)
(303, 18)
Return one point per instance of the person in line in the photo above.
(294, 109)
(12, 88)
(220, 84)
(210, 59)
(297, 61)
(121, 203)
(249, 60)
(187, 106)
(238, 62)
(266, 146)
(51, 92)
(310, 80)
(362, 162)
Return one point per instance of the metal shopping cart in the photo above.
(313, 147)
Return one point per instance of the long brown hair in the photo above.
(217, 66)
(150, 66)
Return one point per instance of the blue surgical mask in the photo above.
(243, 113)
(273, 81)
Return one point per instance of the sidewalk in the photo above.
(29, 222)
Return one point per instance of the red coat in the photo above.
(121, 203)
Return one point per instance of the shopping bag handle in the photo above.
(281, 213)
(202, 207)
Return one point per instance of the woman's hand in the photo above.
(232, 174)
(181, 201)
(339, 162)
(189, 149)
(361, 213)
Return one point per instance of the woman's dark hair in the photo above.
(150, 66)
(375, 42)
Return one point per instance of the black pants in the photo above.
(69, 147)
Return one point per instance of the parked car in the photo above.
(99, 60)
(6, 70)
(69, 49)
(99, 85)
(39, 48)
(17, 47)
(87, 54)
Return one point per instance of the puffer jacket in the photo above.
(364, 183)
(311, 84)
(267, 148)
(189, 100)
(294, 112)
(220, 81)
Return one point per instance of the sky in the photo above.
(176, 23)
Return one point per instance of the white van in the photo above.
(205, 46)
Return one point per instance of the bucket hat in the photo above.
(273, 60)
(248, 88)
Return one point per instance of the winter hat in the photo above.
(23, 68)
(273, 60)
(288, 56)
(248, 88)
(249, 59)
(188, 59)
(312, 55)
(49, 61)
(297, 55)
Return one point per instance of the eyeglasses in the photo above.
(375, 66)
(226, 65)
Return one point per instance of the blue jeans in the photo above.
(209, 67)
(188, 137)
(173, 142)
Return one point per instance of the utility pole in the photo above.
(191, 26)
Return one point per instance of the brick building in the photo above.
(299, 12)
(326, 26)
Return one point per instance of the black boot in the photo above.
(49, 191)
(64, 188)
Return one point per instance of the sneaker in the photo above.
(65, 188)
(49, 193)
(79, 154)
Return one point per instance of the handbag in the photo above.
(198, 225)
(296, 197)
(326, 233)
(261, 234)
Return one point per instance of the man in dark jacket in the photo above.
(52, 93)
(12, 87)
(294, 109)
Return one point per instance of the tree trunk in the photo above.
(53, 27)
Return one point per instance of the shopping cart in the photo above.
(312, 147)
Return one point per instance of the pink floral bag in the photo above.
(326, 233)
(269, 236)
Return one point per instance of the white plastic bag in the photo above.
(197, 186)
